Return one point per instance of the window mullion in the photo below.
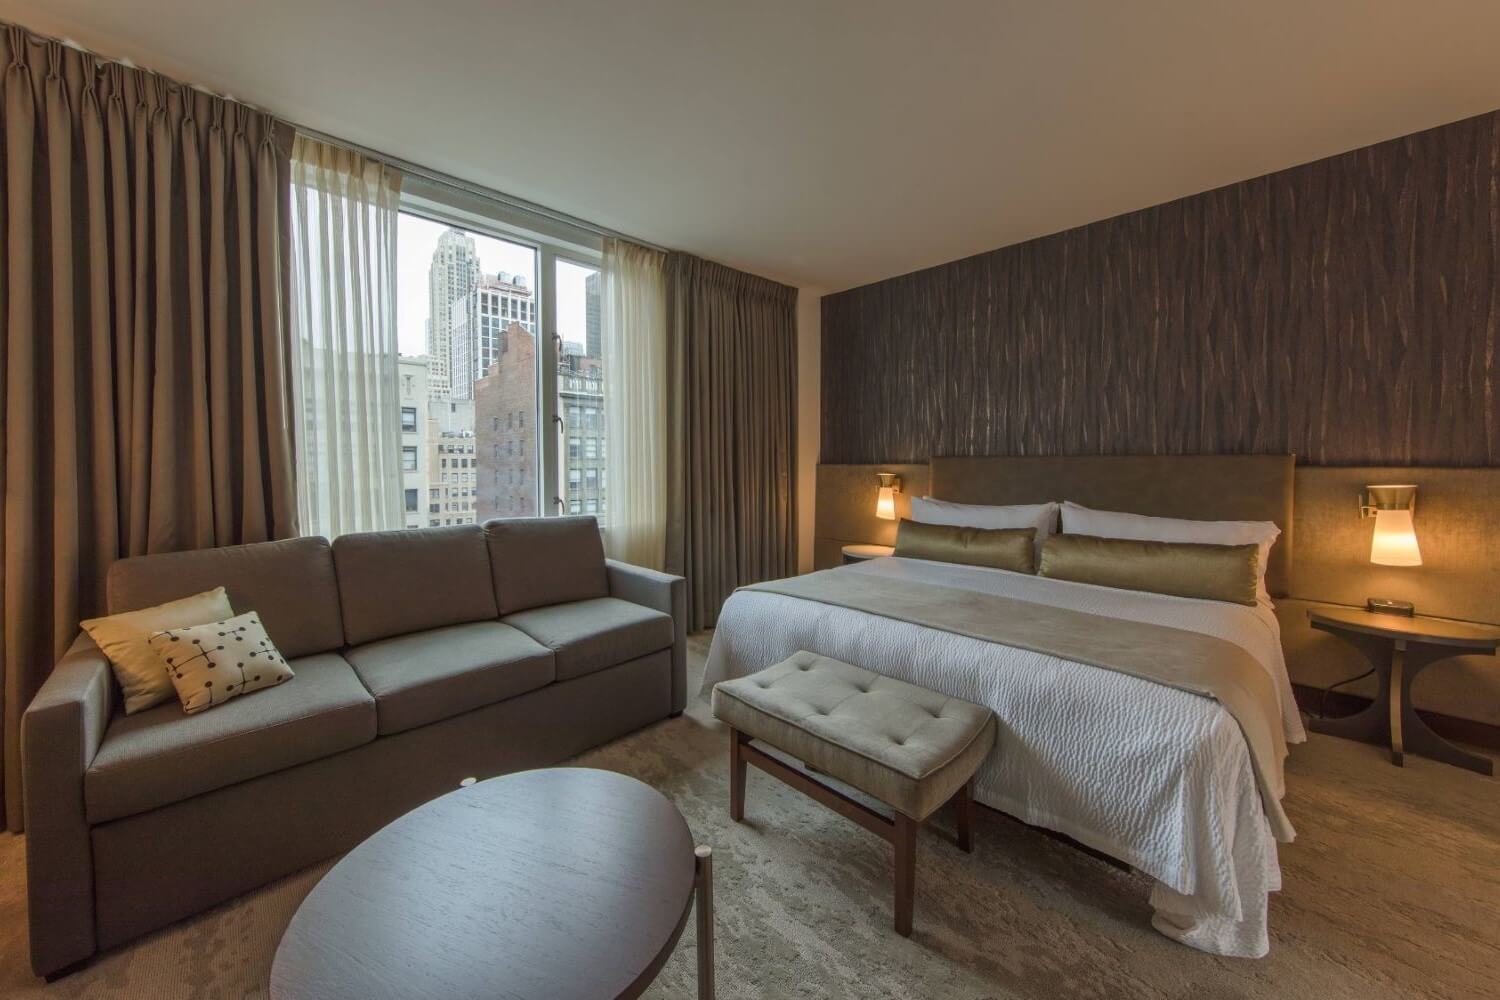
(550, 435)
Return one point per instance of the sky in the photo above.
(417, 237)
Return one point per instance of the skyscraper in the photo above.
(452, 277)
(477, 323)
(592, 345)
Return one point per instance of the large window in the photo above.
(501, 369)
(469, 323)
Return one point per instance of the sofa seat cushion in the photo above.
(590, 635)
(427, 676)
(161, 756)
(909, 747)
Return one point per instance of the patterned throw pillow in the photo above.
(212, 663)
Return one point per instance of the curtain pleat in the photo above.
(732, 363)
(142, 375)
(343, 294)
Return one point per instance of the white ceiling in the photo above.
(830, 143)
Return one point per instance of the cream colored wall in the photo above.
(809, 416)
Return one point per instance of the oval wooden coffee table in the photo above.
(558, 883)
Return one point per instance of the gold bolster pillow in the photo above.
(1181, 569)
(999, 548)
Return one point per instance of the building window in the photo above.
(408, 457)
(411, 501)
(409, 419)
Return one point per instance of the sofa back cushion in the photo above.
(290, 583)
(538, 561)
(395, 582)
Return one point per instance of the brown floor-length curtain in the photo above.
(732, 431)
(143, 375)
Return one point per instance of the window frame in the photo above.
(552, 240)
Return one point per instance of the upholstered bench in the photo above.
(903, 745)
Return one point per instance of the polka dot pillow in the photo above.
(209, 664)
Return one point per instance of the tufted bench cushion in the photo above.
(909, 747)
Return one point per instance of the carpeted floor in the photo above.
(1392, 890)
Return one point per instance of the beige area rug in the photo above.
(1392, 890)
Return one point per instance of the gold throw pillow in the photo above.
(997, 548)
(1181, 569)
(209, 664)
(125, 639)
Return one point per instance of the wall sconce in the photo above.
(885, 500)
(1394, 542)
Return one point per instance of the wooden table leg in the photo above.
(1398, 663)
(963, 807)
(704, 891)
(905, 842)
(737, 742)
(1372, 724)
(1416, 736)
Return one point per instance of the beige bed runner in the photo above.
(1190, 661)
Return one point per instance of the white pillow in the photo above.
(1041, 516)
(209, 664)
(1078, 520)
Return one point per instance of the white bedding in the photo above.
(1154, 776)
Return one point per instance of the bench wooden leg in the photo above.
(963, 807)
(737, 742)
(905, 842)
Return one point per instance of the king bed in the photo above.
(1162, 778)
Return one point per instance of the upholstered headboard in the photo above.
(1200, 487)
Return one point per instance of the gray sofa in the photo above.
(421, 657)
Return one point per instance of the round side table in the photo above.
(859, 553)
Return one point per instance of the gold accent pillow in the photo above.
(1181, 569)
(997, 548)
(125, 639)
(209, 664)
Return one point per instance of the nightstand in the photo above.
(859, 553)
(1400, 647)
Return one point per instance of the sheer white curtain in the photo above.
(633, 327)
(343, 311)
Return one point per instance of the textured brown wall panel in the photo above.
(1345, 311)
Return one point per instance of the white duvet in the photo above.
(1154, 776)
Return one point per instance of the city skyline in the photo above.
(417, 240)
(470, 415)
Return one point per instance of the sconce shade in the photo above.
(1395, 541)
(885, 504)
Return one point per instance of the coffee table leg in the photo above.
(704, 860)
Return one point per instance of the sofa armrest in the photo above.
(665, 593)
(60, 733)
